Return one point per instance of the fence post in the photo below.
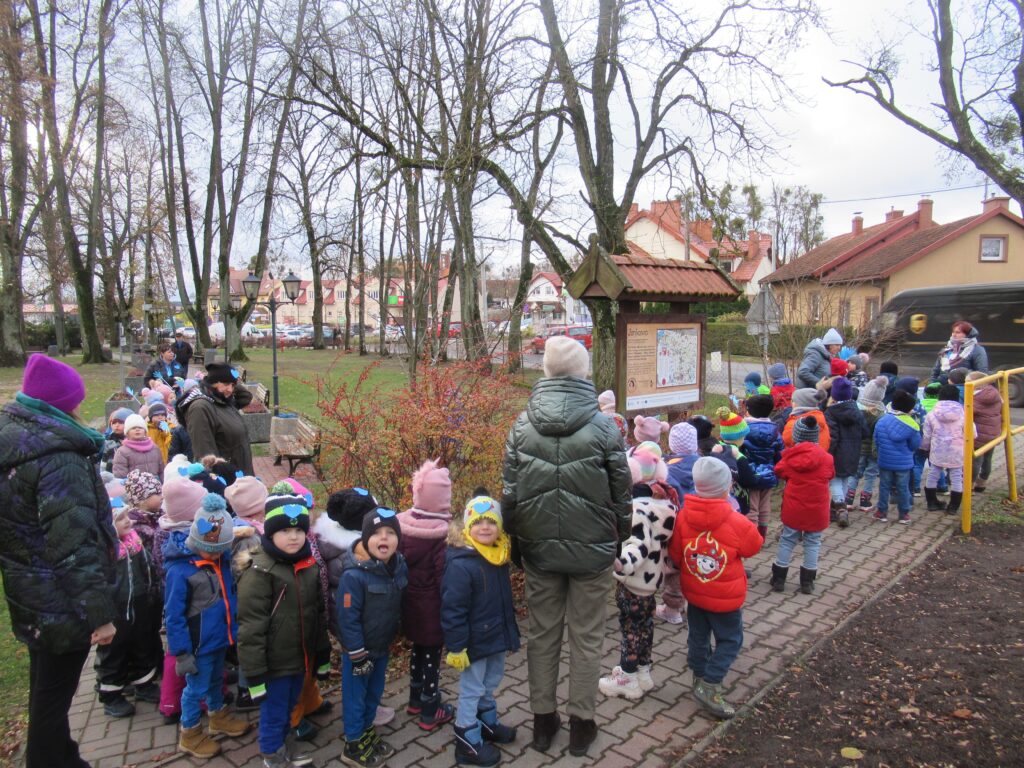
(965, 509)
(728, 360)
(1011, 474)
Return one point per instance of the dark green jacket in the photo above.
(57, 541)
(282, 622)
(566, 480)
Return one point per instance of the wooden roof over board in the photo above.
(638, 276)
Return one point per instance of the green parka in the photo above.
(282, 622)
(566, 480)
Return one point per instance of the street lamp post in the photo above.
(251, 286)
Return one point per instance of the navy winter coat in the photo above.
(370, 600)
(847, 429)
(764, 443)
(200, 601)
(680, 473)
(477, 612)
(897, 436)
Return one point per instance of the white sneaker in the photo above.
(667, 614)
(643, 677)
(621, 683)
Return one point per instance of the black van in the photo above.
(914, 326)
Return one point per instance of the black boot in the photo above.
(116, 705)
(833, 512)
(934, 505)
(471, 749)
(544, 729)
(807, 580)
(953, 507)
(581, 735)
(415, 705)
(779, 574)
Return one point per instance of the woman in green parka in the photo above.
(57, 548)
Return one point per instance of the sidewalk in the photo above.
(659, 730)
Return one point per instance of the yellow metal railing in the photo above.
(1006, 434)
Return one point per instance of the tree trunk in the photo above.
(514, 357)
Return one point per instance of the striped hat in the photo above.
(285, 511)
(731, 426)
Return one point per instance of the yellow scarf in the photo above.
(497, 553)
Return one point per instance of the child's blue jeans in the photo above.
(788, 541)
(476, 688)
(276, 711)
(840, 486)
(868, 469)
(727, 630)
(206, 684)
(920, 457)
(360, 695)
(900, 478)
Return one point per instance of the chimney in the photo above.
(753, 244)
(994, 203)
(892, 214)
(634, 209)
(924, 213)
(858, 223)
(701, 229)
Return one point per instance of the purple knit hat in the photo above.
(53, 382)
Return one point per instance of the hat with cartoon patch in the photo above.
(213, 529)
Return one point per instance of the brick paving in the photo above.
(659, 730)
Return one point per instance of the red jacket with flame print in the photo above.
(708, 544)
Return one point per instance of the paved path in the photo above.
(856, 564)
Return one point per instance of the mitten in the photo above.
(258, 693)
(458, 660)
(185, 664)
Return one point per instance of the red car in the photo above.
(582, 334)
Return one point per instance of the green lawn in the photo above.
(13, 684)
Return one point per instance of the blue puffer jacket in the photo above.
(477, 613)
(370, 600)
(199, 599)
(897, 436)
(764, 443)
(680, 473)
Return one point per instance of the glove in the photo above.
(185, 664)
(323, 671)
(258, 693)
(458, 660)
(362, 664)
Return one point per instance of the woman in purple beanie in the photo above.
(60, 549)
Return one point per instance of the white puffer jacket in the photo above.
(639, 566)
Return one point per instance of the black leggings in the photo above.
(425, 669)
(53, 680)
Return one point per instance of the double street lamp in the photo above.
(251, 286)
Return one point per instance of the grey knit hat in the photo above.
(712, 477)
(805, 398)
(777, 371)
(806, 430)
(871, 394)
(213, 529)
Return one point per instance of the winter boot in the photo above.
(148, 692)
(779, 574)
(643, 676)
(283, 758)
(807, 580)
(709, 696)
(222, 721)
(581, 735)
(621, 683)
(415, 706)
(851, 496)
(544, 729)
(434, 714)
(865, 501)
(296, 757)
(471, 749)
(763, 530)
(381, 748)
(361, 751)
(934, 505)
(833, 511)
(979, 485)
(193, 741)
(492, 729)
(953, 507)
(116, 705)
(843, 517)
(304, 731)
(244, 702)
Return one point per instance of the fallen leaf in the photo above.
(908, 710)
(851, 753)
(963, 714)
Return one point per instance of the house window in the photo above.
(343, 295)
(374, 295)
(844, 312)
(870, 310)
(815, 307)
(993, 248)
(794, 306)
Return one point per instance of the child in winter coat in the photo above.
(606, 402)
(763, 448)
(113, 437)
(988, 421)
(847, 430)
(682, 442)
(133, 656)
(733, 431)
(782, 390)
(752, 385)
(159, 429)
(424, 536)
(806, 403)
(647, 428)
(373, 577)
(807, 469)
(891, 371)
(708, 544)
(856, 373)
(943, 438)
(479, 620)
(870, 404)
(837, 370)
(199, 615)
(143, 493)
(282, 624)
(897, 437)
(639, 572)
(137, 451)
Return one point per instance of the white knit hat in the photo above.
(565, 357)
(134, 421)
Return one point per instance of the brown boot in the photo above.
(195, 742)
(222, 721)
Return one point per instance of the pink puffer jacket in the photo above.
(988, 413)
(943, 436)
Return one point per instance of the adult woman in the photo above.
(567, 504)
(962, 351)
(165, 369)
(210, 414)
(817, 361)
(59, 548)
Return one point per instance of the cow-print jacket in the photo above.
(639, 565)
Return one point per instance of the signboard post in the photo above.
(764, 318)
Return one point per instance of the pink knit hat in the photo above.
(432, 488)
(247, 496)
(648, 428)
(299, 489)
(182, 498)
(53, 382)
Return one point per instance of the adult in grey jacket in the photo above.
(817, 360)
(567, 505)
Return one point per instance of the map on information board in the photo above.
(678, 355)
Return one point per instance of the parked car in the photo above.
(354, 329)
(582, 334)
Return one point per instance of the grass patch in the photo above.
(989, 509)
(13, 686)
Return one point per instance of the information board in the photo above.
(660, 361)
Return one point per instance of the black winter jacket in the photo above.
(370, 600)
(58, 547)
(215, 424)
(847, 429)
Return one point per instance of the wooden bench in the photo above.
(259, 392)
(296, 440)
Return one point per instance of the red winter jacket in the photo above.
(988, 414)
(708, 543)
(806, 468)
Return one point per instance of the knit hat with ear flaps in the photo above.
(53, 382)
(712, 477)
(285, 511)
(682, 439)
(646, 465)
(777, 371)
(349, 507)
(648, 428)
(157, 409)
(482, 508)
(432, 488)
(378, 518)
(806, 430)
(139, 486)
(731, 426)
(121, 414)
(872, 393)
(564, 356)
(212, 529)
(247, 496)
(842, 389)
